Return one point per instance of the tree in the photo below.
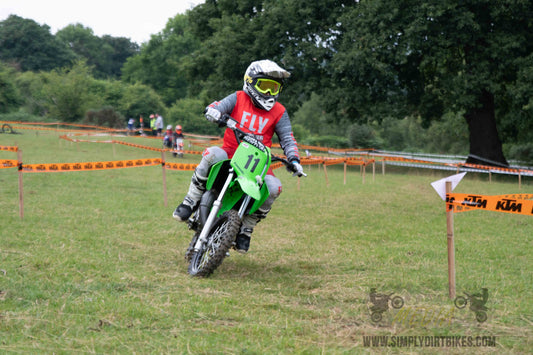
(428, 58)
(122, 49)
(188, 114)
(9, 94)
(160, 63)
(88, 47)
(139, 100)
(29, 46)
(106, 55)
(31, 86)
(68, 93)
(295, 33)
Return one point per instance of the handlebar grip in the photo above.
(290, 167)
(223, 121)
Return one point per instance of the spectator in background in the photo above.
(141, 123)
(177, 138)
(131, 124)
(152, 124)
(167, 140)
(177, 134)
(159, 124)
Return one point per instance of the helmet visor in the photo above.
(267, 85)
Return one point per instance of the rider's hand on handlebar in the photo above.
(212, 114)
(297, 169)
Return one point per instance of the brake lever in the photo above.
(287, 164)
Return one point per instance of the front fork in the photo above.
(213, 214)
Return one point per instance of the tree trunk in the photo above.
(485, 144)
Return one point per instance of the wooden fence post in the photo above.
(325, 173)
(451, 247)
(164, 177)
(345, 172)
(21, 186)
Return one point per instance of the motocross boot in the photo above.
(190, 202)
(242, 242)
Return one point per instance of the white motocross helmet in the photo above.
(263, 82)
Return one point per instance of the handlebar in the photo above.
(290, 167)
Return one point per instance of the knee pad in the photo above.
(274, 186)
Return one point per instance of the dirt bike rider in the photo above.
(257, 112)
(380, 301)
(167, 139)
(478, 300)
(178, 134)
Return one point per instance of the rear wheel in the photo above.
(481, 316)
(376, 317)
(219, 241)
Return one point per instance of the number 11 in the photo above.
(256, 161)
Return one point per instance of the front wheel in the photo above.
(460, 302)
(397, 302)
(219, 240)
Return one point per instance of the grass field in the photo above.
(96, 264)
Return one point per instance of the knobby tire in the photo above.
(219, 241)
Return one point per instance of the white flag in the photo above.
(440, 185)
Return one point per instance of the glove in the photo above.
(298, 170)
(212, 115)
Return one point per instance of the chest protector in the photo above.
(252, 120)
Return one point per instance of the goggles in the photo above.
(267, 85)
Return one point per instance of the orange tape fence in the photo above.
(8, 148)
(513, 203)
(101, 165)
(205, 141)
(460, 202)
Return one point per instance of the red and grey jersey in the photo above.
(262, 124)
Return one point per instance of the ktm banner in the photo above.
(103, 165)
(513, 203)
(178, 166)
(9, 148)
(8, 163)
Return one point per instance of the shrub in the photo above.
(327, 141)
(106, 117)
(521, 152)
(362, 136)
(189, 114)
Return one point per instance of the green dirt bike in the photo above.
(235, 187)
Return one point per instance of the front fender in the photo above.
(249, 187)
(259, 194)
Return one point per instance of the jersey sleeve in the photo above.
(225, 105)
(286, 138)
